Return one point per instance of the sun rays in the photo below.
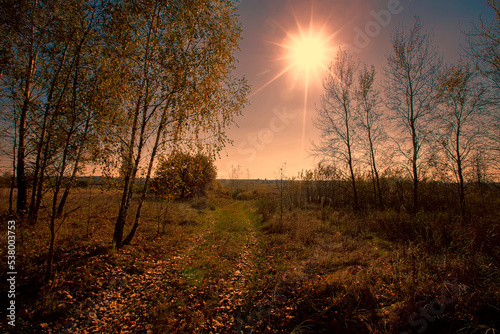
(305, 53)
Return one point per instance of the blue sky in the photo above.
(277, 125)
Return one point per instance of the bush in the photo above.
(199, 203)
(267, 206)
(182, 175)
(246, 196)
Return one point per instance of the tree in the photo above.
(23, 26)
(368, 114)
(281, 189)
(61, 93)
(483, 47)
(410, 81)
(459, 95)
(182, 175)
(180, 55)
(336, 115)
(234, 175)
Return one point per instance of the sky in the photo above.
(286, 48)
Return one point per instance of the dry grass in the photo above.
(213, 265)
(370, 272)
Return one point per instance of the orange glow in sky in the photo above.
(286, 49)
(307, 53)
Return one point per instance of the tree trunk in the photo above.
(413, 129)
(375, 171)
(131, 165)
(21, 151)
(125, 201)
(130, 236)
(415, 181)
(50, 256)
(351, 169)
(13, 179)
(461, 185)
(65, 195)
(53, 216)
(37, 189)
(353, 182)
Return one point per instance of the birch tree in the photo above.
(181, 90)
(24, 26)
(336, 115)
(460, 97)
(411, 72)
(60, 89)
(368, 116)
(483, 47)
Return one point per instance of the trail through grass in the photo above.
(195, 279)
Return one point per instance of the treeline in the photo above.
(422, 122)
(111, 85)
(327, 188)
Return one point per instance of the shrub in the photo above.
(199, 203)
(246, 196)
(182, 175)
(267, 206)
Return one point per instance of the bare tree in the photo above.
(483, 47)
(336, 118)
(281, 189)
(234, 175)
(368, 113)
(410, 82)
(460, 99)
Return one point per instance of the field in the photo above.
(237, 263)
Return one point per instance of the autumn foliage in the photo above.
(182, 175)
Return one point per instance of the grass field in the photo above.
(224, 265)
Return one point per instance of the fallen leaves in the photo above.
(207, 286)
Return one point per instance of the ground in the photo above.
(211, 265)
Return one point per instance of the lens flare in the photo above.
(307, 53)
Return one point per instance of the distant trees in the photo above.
(439, 116)
(410, 85)
(182, 175)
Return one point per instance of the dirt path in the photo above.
(201, 288)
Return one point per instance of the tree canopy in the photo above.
(183, 175)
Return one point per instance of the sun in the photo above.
(307, 53)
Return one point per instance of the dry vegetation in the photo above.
(218, 264)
